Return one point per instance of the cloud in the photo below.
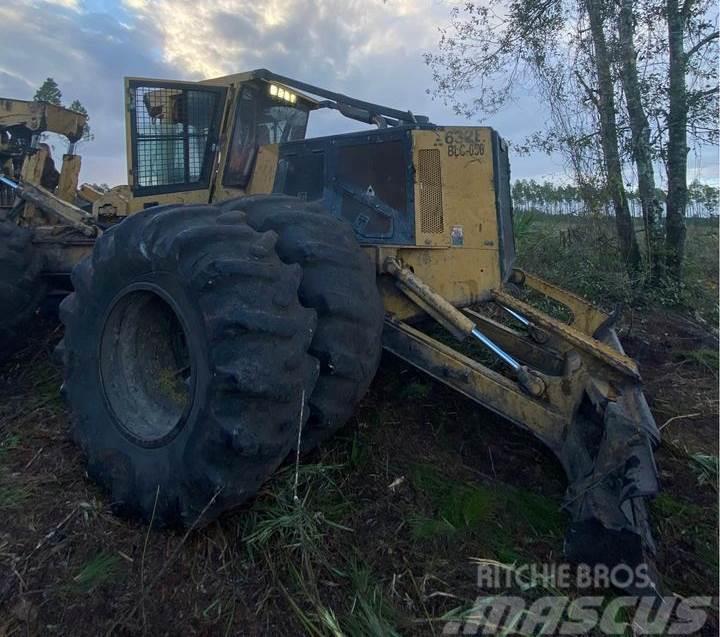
(371, 49)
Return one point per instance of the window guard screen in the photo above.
(174, 130)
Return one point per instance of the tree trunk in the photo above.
(608, 132)
(640, 133)
(677, 144)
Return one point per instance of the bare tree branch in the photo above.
(707, 39)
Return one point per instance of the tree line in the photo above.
(563, 199)
(50, 92)
(630, 86)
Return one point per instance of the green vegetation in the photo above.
(705, 467)
(100, 569)
(290, 532)
(416, 390)
(704, 358)
(690, 526)
(581, 254)
(13, 496)
(503, 518)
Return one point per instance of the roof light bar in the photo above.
(282, 93)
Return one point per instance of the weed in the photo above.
(523, 224)
(9, 443)
(370, 613)
(704, 358)
(359, 453)
(581, 254)
(290, 534)
(500, 510)
(474, 616)
(100, 569)
(706, 469)
(292, 523)
(690, 524)
(416, 390)
(12, 497)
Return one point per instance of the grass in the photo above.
(705, 467)
(290, 535)
(581, 254)
(705, 358)
(99, 570)
(8, 444)
(690, 525)
(503, 518)
(416, 390)
(13, 496)
(370, 613)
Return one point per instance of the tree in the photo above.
(49, 92)
(680, 21)
(495, 49)
(79, 108)
(605, 104)
(662, 98)
(640, 135)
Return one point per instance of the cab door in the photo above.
(173, 131)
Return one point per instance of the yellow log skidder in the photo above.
(245, 269)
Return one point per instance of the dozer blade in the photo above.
(573, 387)
(608, 458)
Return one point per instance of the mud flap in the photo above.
(608, 457)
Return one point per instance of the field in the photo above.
(389, 515)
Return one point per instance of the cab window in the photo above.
(260, 118)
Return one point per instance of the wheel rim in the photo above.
(146, 365)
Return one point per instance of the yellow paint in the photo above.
(69, 174)
(263, 176)
(463, 274)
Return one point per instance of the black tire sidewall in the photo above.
(92, 407)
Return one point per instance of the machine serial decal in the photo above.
(464, 142)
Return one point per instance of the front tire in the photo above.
(339, 283)
(185, 361)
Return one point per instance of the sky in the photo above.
(370, 49)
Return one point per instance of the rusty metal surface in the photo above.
(544, 359)
(483, 385)
(586, 317)
(578, 340)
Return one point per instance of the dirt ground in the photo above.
(394, 509)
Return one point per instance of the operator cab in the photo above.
(198, 137)
(265, 113)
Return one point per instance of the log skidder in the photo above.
(194, 330)
(186, 359)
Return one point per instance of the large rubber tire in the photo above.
(21, 286)
(339, 284)
(171, 287)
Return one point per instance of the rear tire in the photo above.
(339, 284)
(186, 358)
(21, 287)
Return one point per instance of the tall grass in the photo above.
(581, 253)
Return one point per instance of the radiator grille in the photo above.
(430, 204)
